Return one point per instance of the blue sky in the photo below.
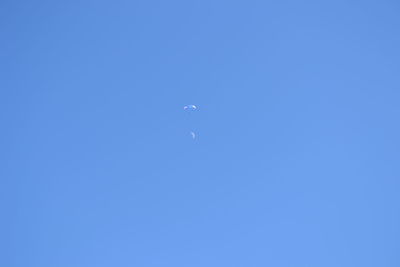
(296, 160)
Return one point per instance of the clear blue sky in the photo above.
(296, 163)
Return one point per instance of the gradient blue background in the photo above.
(297, 157)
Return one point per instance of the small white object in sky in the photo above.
(190, 107)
